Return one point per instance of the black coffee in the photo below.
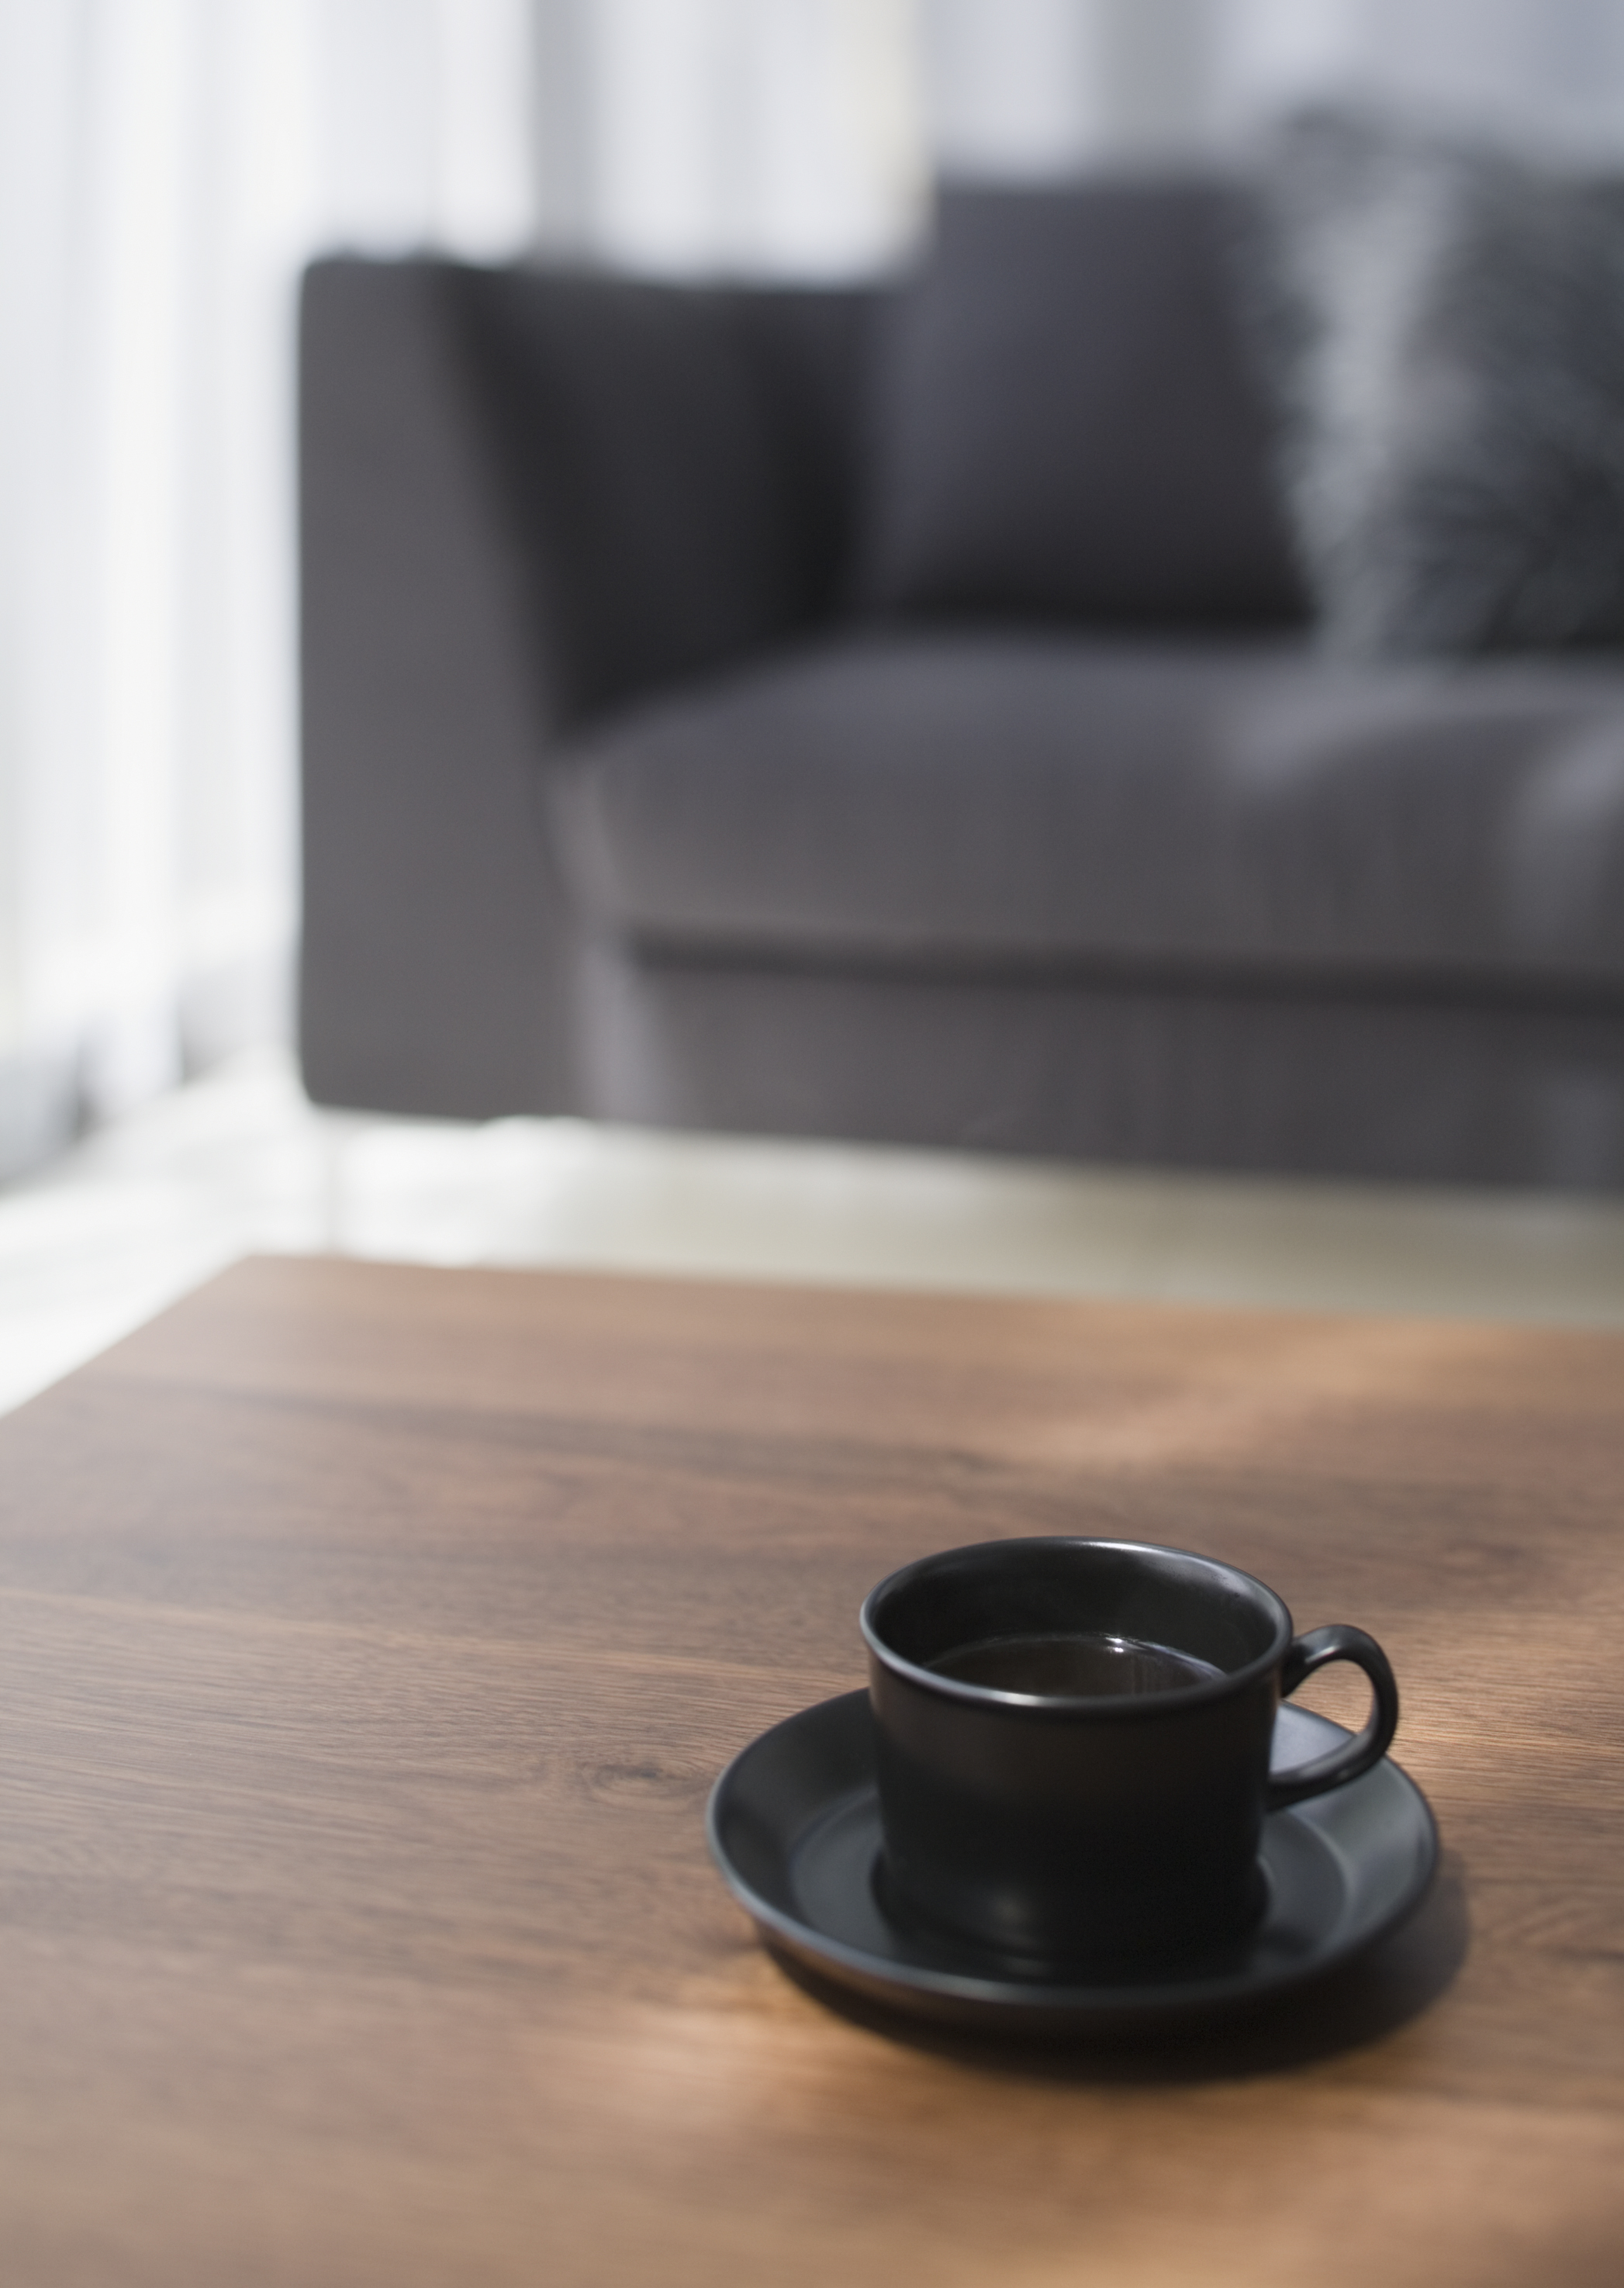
(1072, 1666)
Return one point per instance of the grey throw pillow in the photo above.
(1445, 324)
(1067, 423)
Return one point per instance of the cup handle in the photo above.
(1304, 1655)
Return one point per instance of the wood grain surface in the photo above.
(372, 1636)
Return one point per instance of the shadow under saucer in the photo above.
(1363, 2002)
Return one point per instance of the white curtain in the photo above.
(165, 167)
(735, 136)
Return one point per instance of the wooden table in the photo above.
(371, 1638)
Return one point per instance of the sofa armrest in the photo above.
(433, 974)
(680, 465)
(523, 496)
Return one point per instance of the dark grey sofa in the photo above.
(665, 761)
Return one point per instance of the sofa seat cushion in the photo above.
(986, 800)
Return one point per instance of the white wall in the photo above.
(1023, 87)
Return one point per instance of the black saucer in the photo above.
(794, 1824)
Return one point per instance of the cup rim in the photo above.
(1120, 1706)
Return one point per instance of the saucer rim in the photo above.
(1025, 2005)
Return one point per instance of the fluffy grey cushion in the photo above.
(1447, 329)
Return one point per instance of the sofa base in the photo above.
(1438, 1090)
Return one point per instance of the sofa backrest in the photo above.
(1050, 417)
(680, 464)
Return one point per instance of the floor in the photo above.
(146, 1209)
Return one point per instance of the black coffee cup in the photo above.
(1073, 1741)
